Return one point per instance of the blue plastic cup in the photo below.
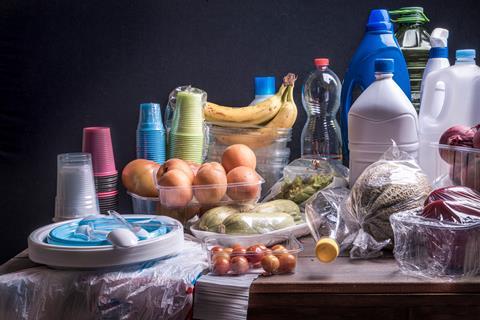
(150, 117)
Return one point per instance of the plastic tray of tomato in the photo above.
(238, 255)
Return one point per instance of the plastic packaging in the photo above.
(304, 177)
(428, 248)
(462, 168)
(255, 256)
(359, 223)
(450, 98)
(264, 89)
(381, 114)
(438, 56)
(414, 41)
(378, 42)
(321, 101)
(152, 290)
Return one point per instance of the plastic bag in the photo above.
(302, 178)
(152, 290)
(442, 240)
(395, 183)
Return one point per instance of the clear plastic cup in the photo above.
(98, 142)
(76, 195)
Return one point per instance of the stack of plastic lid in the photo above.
(150, 133)
(186, 139)
(98, 142)
(75, 187)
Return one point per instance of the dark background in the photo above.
(66, 64)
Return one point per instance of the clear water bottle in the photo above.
(321, 136)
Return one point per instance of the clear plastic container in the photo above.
(286, 256)
(431, 248)
(459, 166)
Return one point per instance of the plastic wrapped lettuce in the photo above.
(302, 178)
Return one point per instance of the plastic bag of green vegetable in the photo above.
(302, 178)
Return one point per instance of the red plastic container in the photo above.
(98, 142)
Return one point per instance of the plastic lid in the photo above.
(465, 54)
(439, 38)
(327, 249)
(438, 52)
(384, 65)
(321, 62)
(264, 86)
(379, 20)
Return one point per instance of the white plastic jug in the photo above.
(381, 114)
(451, 96)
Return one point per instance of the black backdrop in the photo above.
(66, 64)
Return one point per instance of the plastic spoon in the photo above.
(141, 233)
(122, 238)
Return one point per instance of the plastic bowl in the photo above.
(457, 166)
(288, 257)
(431, 248)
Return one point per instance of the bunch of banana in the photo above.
(278, 111)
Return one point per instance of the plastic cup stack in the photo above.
(98, 142)
(75, 187)
(151, 133)
(187, 133)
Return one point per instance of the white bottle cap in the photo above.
(439, 38)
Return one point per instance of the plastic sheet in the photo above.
(393, 184)
(442, 240)
(154, 290)
(303, 177)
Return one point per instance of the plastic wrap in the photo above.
(442, 240)
(393, 184)
(154, 290)
(303, 177)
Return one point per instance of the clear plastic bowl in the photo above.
(457, 166)
(432, 248)
(292, 247)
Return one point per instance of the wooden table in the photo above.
(360, 289)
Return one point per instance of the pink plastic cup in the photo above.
(98, 142)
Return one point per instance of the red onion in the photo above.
(459, 135)
(476, 136)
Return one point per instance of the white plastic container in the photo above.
(438, 58)
(264, 89)
(381, 114)
(450, 97)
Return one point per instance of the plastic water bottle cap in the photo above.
(438, 52)
(321, 62)
(264, 86)
(379, 19)
(466, 54)
(384, 65)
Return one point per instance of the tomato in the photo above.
(221, 266)
(287, 263)
(228, 250)
(239, 265)
(138, 177)
(238, 251)
(254, 254)
(270, 263)
(220, 254)
(216, 249)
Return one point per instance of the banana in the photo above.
(284, 118)
(257, 114)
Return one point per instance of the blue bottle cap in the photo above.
(466, 54)
(384, 65)
(264, 86)
(438, 52)
(150, 116)
(379, 19)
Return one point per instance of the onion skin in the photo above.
(460, 136)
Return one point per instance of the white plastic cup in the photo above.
(76, 195)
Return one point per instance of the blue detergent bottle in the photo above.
(378, 42)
